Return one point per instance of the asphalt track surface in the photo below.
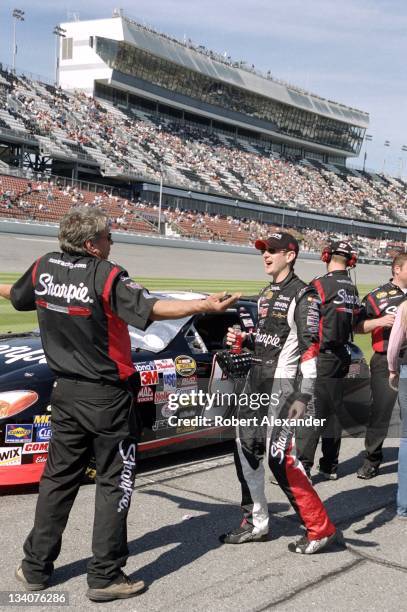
(176, 516)
(18, 252)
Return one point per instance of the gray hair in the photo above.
(78, 225)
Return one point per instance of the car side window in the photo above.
(212, 328)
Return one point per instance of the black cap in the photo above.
(282, 241)
(339, 247)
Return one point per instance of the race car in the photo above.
(179, 394)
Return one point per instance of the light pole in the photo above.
(404, 150)
(59, 33)
(386, 144)
(160, 201)
(17, 16)
(368, 138)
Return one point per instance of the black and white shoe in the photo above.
(328, 475)
(245, 533)
(367, 471)
(304, 546)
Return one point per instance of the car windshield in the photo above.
(157, 336)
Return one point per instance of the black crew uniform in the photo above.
(381, 301)
(285, 347)
(339, 311)
(84, 305)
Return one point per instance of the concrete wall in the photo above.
(42, 229)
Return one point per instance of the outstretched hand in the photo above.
(219, 302)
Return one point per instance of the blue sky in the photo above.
(351, 51)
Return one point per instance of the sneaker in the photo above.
(121, 588)
(29, 586)
(242, 534)
(367, 471)
(328, 475)
(304, 546)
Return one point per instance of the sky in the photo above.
(350, 51)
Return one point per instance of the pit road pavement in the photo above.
(177, 514)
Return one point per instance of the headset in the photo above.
(327, 253)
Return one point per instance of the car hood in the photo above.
(22, 354)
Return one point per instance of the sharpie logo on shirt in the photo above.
(79, 293)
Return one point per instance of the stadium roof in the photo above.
(191, 58)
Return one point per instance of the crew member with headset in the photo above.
(339, 311)
(379, 308)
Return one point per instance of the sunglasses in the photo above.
(272, 251)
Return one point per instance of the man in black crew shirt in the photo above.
(377, 316)
(339, 311)
(84, 303)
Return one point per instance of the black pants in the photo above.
(332, 368)
(383, 401)
(87, 418)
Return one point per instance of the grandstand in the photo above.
(136, 108)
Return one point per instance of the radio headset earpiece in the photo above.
(326, 255)
(353, 260)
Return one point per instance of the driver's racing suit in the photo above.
(286, 337)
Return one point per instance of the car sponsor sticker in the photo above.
(160, 424)
(185, 365)
(18, 433)
(164, 364)
(43, 433)
(146, 394)
(162, 396)
(14, 402)
(42, 419)
(145, 366)
(12, 354)
(35, 447)
(149, 377)
(191, 381)
(169, 380)
(40, 458)
(10, 455)
(166, 411)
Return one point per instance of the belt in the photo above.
(89, 381)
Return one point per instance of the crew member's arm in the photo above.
(369, 317)
(135, 305)
(177, 309)
(5, 291)
(22, 294)
(306, 317)
(396, 341)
